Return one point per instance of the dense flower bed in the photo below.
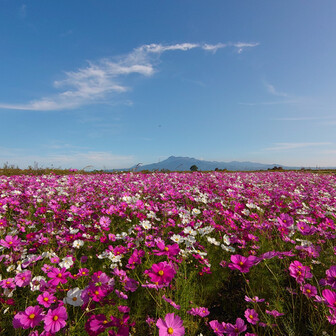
(168, 254)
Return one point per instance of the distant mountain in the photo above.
(179, 163)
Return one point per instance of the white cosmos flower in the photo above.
(190, 231)
(195, 211)
(213, 241)
(74, 297)
(146, 224)
(228, 248)
(66, 262)
(176, 238)
(77, 243)
(226, 239)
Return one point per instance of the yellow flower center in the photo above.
(170, 331)
(31, 316)
(250, 316)
(55, 318)
(160, 272)
(59, 275)
(46, 299)
(241, 263)
(104, 322)
(166, 248)
(74, 299)
(308, 291)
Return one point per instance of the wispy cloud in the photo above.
(101, 79)
(242, 45)
(271, 89)
(284, 146)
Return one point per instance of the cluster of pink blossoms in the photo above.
(93, 245)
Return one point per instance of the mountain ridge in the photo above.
(183, 163)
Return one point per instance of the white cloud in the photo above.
(283, 146)
(242, 45)
(271, 89)
(101, 79)
(213, 47)
(159, 48)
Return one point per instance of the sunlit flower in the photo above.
(171, 325)
(55, 319)
(30, 318)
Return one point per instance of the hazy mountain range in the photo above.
(179, 163)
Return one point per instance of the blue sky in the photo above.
(112, 83)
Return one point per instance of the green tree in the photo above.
(193, 168)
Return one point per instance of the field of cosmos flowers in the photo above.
(168, 254)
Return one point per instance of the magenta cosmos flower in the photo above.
(218, 328)
(10, 242)
(330, 297)
(162, 273)
(299, 272)
(57, 276)
(199, 311)
(55, 319)
(30, 318)
(23, 279)
(46, 299)
(251, 316)
(242, 263)
(236, 329)
(171, 325)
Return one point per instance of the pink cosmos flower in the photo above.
(96, 324)
(218, 328)
(83, 272)
(242, 263)
(135, 258)
(10, 242)
(58, 276)
(7, 283)
(254, 299)
(23, 279)
(331, 277)
(330, 297)
(299, 272)
(55, 319)
(285, 220)
(274, 313)
(168, 250)
(236, 329)
(161, 273)
(30, 318)
(171, 302)
(309, 290)
(251, 316)
(171, 325)
(105, 223)
(54, 260)
(199, 311)
(130, 284)
(46, 299)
